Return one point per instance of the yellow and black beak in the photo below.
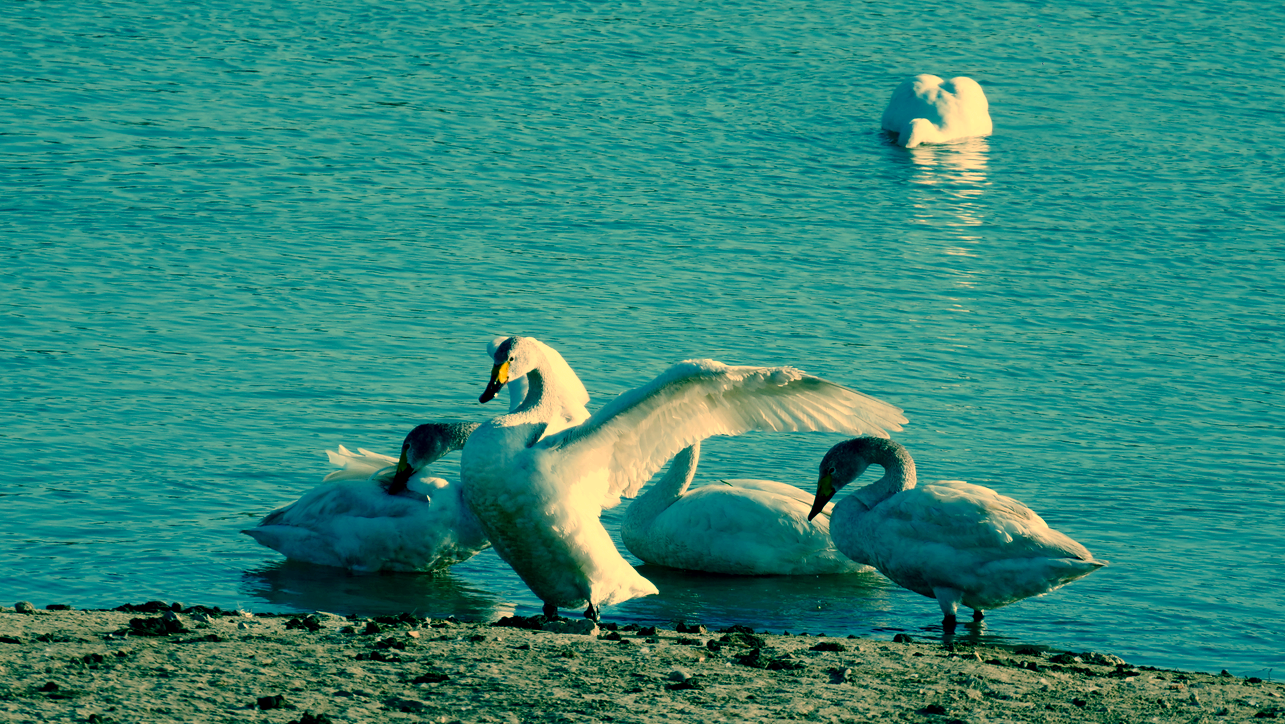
(825, 491)
(499, 377)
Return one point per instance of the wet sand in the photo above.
(152, 664)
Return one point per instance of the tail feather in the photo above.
(356, 466)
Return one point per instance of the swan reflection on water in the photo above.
(945, 188)
(305, 587)
(864, 604)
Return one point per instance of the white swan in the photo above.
(539, 500)
(927, 109)
(737, 527)
(952, 541)
(369, 516)
(395, 519)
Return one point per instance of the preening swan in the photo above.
(927, 109)
(952, 541)
(539, 499)
(380, 513)
(738, 527)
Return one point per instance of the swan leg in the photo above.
(550, 610)
(948, 599)
(591, 613)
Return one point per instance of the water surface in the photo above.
(237, 234)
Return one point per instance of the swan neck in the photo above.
(538, 403)
(661, 495)
(898, 475)
(457, 433)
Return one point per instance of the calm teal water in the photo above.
(236, 234)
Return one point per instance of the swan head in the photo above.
(426, 444)
(846, 461)
(514, 357)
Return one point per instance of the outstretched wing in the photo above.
(641, 429)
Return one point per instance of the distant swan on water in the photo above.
(539, 498)
(737, 527)
(927, 109)
(952, 541)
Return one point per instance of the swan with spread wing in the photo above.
(539, 498)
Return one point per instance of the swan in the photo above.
(927, 109)
(368, 516)
(539, 499)
(738, 527)
(381, 513)
(956, 542)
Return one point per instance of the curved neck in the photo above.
(666, 490)
(536, 393)
(898, 473)
(537, 410)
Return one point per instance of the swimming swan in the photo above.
(926, 109)
(381, 513)
(738, 527)
(952, 541)
(539, 500)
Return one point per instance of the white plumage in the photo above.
(736, 527)
(927, 109)
(369, 516)
(539, 500)
(352, 520)
(956, 542)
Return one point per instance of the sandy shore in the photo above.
(202, 665)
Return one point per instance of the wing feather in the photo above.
(643, 428)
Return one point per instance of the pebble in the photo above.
(24, 607)
(275, 701)
(1093, 657)
(578, 626)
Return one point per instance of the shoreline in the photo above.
(153, 663)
